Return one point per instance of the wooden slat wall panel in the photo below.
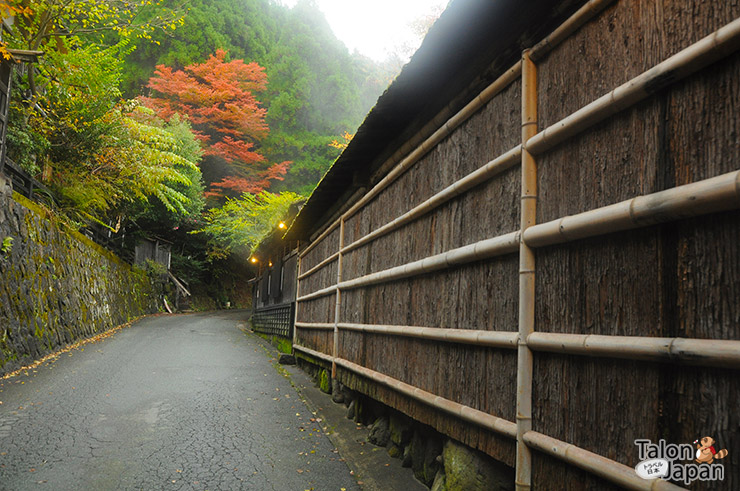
(317, 310)
(326, 247)
(324, 277)
(315, 340)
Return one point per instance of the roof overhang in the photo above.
(471, 44)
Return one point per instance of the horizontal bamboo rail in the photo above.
(594, 463)
(684, 63)
(318, 293)
(318, 239)
(567, 28)
(315, 325)
(465, 413)
(720, 193)
(323, 263)
(482, 174)
(720, 353)
(493, 339)
(484, 249)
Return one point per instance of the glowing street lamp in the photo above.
(282, 225)
(253, 260)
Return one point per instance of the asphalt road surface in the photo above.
(172, 402)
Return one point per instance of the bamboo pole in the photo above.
(526, 276)
(720, 193)
(493, 339)
(318, 293)
(567, 28)
(328, 326)
(484, 249)
(595, 464)
(338, 304)
(719, 353)
(295, 312)
(323, 263)
(482, 174)
(717, 45)
(465, 413)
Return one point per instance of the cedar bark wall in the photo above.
(680, 279)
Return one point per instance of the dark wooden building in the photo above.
(532, 242)
(274, 286)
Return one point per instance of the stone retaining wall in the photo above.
(57, 286)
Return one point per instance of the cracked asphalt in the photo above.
(172, 402)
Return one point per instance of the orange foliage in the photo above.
(342, 145)
(251, 185)
(219, 100)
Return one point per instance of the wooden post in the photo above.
(526, 276)
(297, 294)
(337, 306)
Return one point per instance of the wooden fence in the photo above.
(619, 319)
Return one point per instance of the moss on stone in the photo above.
(467, 469)
(59, 286)
(324, 381)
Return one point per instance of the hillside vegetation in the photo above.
(182, 119)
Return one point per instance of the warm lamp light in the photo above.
(281, 225)
(253, 260)
(269, 264)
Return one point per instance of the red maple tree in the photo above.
(218, 97)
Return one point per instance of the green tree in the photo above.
(46, 24)
(101, 155)
(243, 223)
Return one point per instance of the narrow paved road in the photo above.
(172, 402)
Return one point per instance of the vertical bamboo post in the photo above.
(337, 306)
(526, 276)
(297, 295)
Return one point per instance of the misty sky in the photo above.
(376, 28)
